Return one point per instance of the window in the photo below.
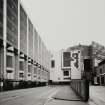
(9, 61)
(66, 59)
(21, 75)
(101, 71)
(66, 73)
(52, 63)
(21, 65)
(35, 70)
(29, 68)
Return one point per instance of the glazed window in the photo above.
(53, 63)
(101, 71)
(21, 65)
(21, 75)
(66, 73)
(9, 61)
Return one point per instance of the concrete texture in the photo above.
(65, 96)
(66, 93)
(97, 95)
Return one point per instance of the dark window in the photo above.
(101, 71)
(87, 65)
(21, 65)
(66, 73)
(66, 59)
(52, 63)
(21, 75)
(23, 30)
(9, 61)
(1, 18)
(30, 39)
(35, 70)
(1, 5)
(12, 22)
(29, 68)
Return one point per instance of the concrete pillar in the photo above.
(4, 36)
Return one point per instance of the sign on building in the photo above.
(76, 64)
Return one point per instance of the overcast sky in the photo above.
(64, 23)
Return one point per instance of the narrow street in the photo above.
(48, 95)
(32, 96)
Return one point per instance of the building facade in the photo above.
(57, 75)
(70, 64)
(23, 54)
(100, 73)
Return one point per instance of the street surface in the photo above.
(97, 95)
(32, 96)
(51, 95)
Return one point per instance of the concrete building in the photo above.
(57, 75)
(92, 55)
(23, 55)
(61, 63)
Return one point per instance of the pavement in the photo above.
(97, 95)
(65, 96)
(56, 95)
(29, 96)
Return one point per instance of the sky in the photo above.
(64, 23)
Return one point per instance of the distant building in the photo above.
(65, 62)
(57, 75)
(100, 73)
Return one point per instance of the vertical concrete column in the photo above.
(27, 51)
(4, 35)
(33, 58)
(100, 79)
(38, 61)
(41, 59)
(18, 56)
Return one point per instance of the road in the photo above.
(31, 96)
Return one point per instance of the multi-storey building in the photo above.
(23, 55)
(64, 62)
(92, 59)
(57, 75)
(100, 73)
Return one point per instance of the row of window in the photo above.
(1, 5)
(12, 22)
(12, 29)
(1, 18)
(30, 38)
(65, 72)
(66, 60)
(13, 6)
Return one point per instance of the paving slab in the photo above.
(97, 95)
(65, 96)
(64, 102)
(66, 93)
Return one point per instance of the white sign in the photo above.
(76, 64)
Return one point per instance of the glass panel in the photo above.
(9, 61)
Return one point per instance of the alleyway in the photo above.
(52, 95)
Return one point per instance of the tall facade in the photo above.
(23, 55)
